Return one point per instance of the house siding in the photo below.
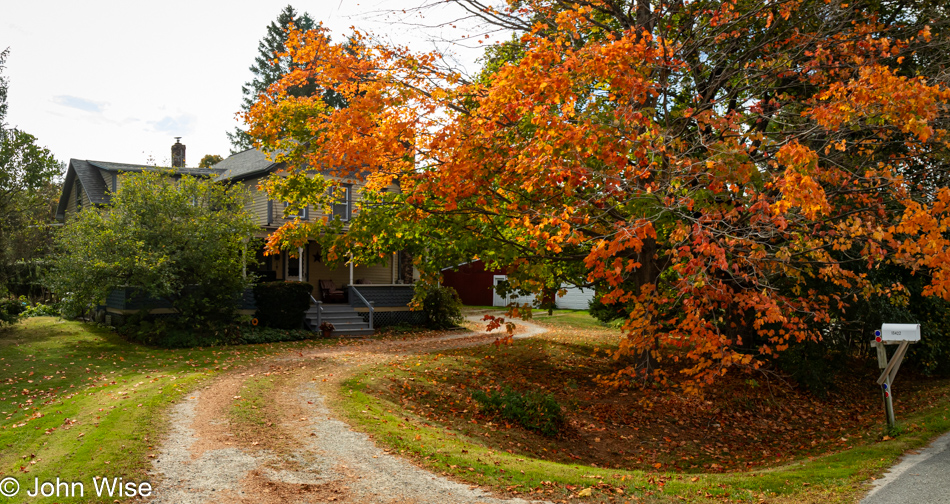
(374, 274)
(258, 203)
(111, 180)
(132, 298)
(71, 202)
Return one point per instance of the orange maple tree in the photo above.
(727, 171)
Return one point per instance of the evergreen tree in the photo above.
(267, 70)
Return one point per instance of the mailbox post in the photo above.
(892, 334)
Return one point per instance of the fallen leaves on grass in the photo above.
(749, 421)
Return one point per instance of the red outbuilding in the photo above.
(472, 281)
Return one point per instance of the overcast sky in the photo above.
(118, 80)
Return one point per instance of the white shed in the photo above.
(512, 298)
(575, 299)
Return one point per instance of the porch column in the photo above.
(393, 266)
(300, 264)
(351, 269)
(244, 258)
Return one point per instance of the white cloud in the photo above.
(80, 103)
(177, 126)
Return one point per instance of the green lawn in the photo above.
(419, 406)
(77, 401)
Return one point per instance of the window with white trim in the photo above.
(343, 205)
(302, 213)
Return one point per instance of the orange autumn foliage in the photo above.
(726, 171)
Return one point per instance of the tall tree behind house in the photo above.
(268, 69)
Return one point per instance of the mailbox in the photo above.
(902, 335)
(895, 333)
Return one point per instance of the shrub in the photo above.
(25, 278)
(41, 310)
(172, 332)
(399, 329)
(532, 410)
(282, 305)
(169, 333)
(607, 313)
(182, 240)
(442, 307)
(814, 366)
(10, 310)
(255, 335)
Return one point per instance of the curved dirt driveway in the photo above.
(313, 456)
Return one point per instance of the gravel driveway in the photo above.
(201, 461)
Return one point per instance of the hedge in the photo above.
(282, 305)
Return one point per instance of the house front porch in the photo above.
(356, 299)
(377, 294)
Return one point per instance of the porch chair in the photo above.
(329, 292)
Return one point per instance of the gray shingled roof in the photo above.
(89, 179)
(253, 163)
(243, 165)
(125, 167)
(93, 180)
(94, 175)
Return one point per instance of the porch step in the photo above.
(346, 321)
(330, 308)
(349, 333)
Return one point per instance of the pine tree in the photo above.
(268, 71)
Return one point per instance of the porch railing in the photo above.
(369, 304)
(319, 311)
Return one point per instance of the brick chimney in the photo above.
(178, 154)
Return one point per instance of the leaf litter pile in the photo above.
(745, 422)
